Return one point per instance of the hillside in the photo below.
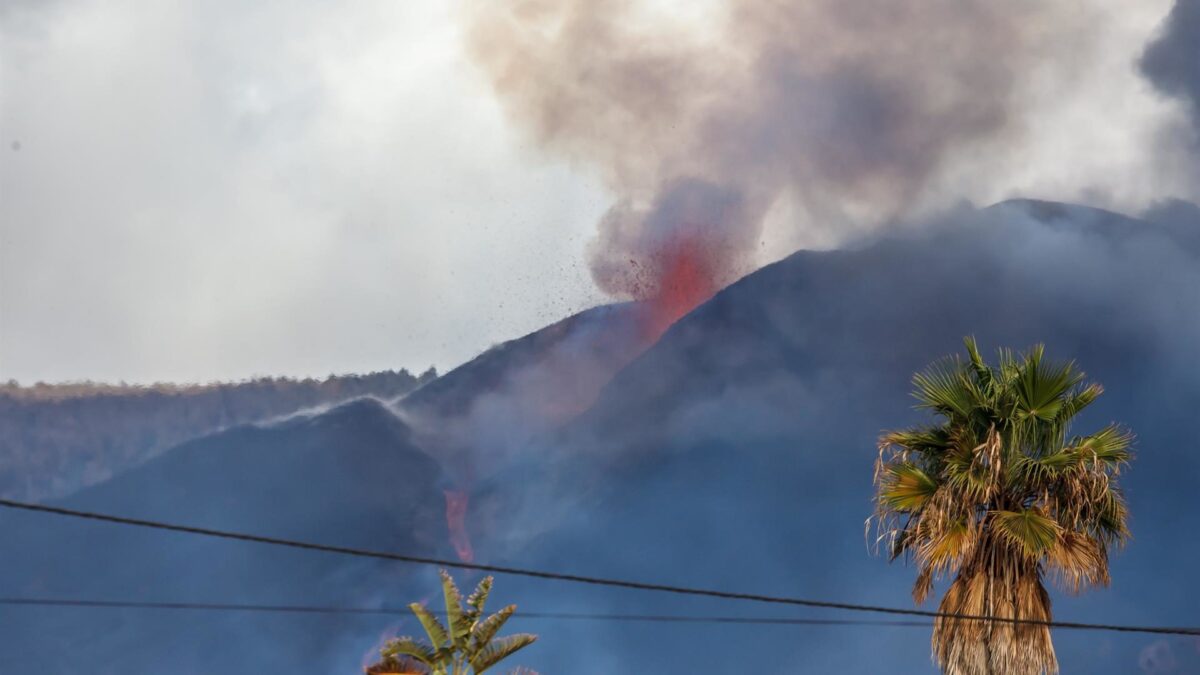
(350, 477)
(476, 416)
(57, 438)
(735, 453)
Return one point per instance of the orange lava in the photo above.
(685, 277)
(457, 502)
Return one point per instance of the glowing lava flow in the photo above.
(457, 502)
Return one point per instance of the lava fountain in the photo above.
(683, 278)
(672, 254)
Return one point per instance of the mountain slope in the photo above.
(355, 476)
(737, 452)
(349, 477)
(473, 417)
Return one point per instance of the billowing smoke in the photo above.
(692, 240)
(847, 108)
(1172, 61)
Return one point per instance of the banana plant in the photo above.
(467, 645)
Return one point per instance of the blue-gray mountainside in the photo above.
(734, 453)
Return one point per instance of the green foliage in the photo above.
(466, 644)
(908, 488)
(1032, 532)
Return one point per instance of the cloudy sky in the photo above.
(214, 190)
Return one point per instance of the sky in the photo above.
(197, 191)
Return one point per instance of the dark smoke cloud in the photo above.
(1172, 61)
(848, 107)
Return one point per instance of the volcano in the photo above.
(733, 453)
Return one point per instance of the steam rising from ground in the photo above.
(847, 107)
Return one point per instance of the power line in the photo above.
(393, 611)
(580, 579)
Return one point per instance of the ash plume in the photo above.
(848, 108)
(1172, 61)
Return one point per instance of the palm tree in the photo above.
(469, 645)
(996, 493)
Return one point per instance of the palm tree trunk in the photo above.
(1002, 586)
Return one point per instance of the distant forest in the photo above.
(57, 438)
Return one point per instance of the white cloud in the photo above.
(214, 190)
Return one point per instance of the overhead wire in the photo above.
(582, 579)
(402, 611)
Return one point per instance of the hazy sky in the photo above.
(213, 190)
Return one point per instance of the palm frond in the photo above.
(907, 488)
(943, 388)
(487, 629)
(1026, 472)
(478, 599)
(969, 479)
(943, 550)
(407, 646)
(900, 540)
(459, 625)
(1111, 523)
(925, 440)
(499, 650)
(923, 585)
(433, 628)
(1076, 401)
(983, 372)
(1043, 387)
(1078, 561)
(1028, 530)
(1111, 445)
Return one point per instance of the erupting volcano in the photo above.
(675, 252)
(684, 276)
(543, 381)
(668, 256)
